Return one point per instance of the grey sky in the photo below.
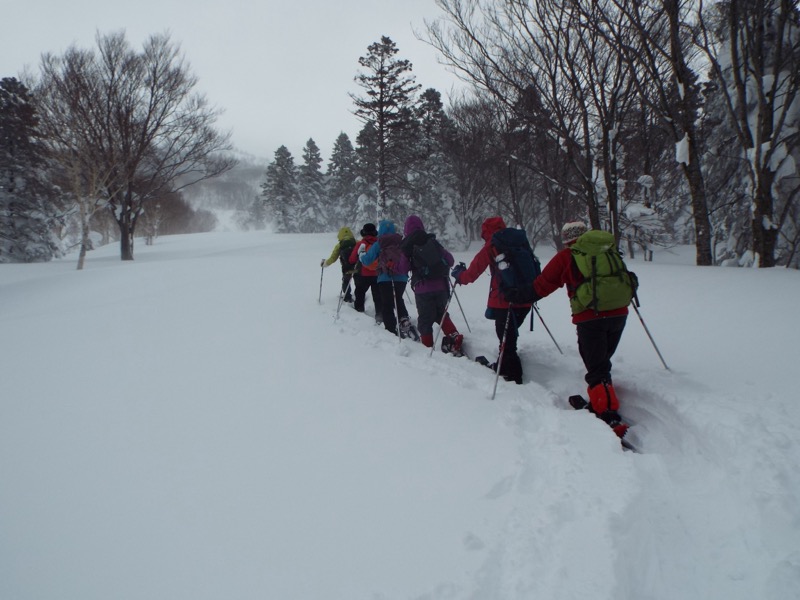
(281, 70)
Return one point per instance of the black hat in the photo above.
(369, 229)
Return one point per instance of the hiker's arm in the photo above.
(448, 258)
(475, 268)
(370, 255)
(333, 257)
(553, 275)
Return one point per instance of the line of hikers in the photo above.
(381, 262)
(598, 284)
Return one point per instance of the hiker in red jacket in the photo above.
(366, 277)
(497, 306)
(599, 332)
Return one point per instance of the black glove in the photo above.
(522, 295)
(458, 270)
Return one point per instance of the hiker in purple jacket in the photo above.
(431, 285)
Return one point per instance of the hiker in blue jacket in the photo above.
(392, 266)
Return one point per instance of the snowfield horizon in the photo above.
(196, 424)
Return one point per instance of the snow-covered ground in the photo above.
(197, 425)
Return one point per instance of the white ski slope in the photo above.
(196, 425)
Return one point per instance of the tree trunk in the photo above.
(702, 225)
(765, 233)
(126, 244)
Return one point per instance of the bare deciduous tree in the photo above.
(135, 118)
(583, 89)
(655, 38)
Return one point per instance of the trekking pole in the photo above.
(647, 331)
(502, 351)
(444, 316)
(538, 314)
(339, 307)
(453, 287)
(321, 273)
(396, 314)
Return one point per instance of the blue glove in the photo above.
(457, 271)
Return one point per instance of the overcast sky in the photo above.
(281, 69)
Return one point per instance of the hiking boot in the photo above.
(407, 329)
(511, 368)
(451, 344)
(613, 420)
(378, 319)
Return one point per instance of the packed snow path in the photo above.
(195, 424)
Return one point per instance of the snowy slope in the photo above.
(196, 425)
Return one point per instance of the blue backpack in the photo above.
(516, 264)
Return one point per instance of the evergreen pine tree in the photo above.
(311, 190)
(280, 192)
(433, 176)
(388, 108)
(29, 217)
(342, 185)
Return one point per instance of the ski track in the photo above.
(554, 516)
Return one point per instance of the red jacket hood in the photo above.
(491, 226)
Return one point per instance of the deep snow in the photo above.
(196, 425)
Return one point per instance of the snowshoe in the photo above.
(610, 417)
(407, 329)
(452, 344)
(485, 362)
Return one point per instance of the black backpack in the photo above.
(516, 264)
(345, 249)
(427, 260)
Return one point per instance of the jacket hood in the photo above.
(386, 226)
(491, 226)
(345, 234)
(413, 223)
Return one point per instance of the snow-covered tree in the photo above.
(431, 178)
(754, 51)
(280, 192)
(29, 216)
(314, 206)
(342, 184)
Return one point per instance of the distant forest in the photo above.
(661, 121)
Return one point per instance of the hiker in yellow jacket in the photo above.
(341, 251)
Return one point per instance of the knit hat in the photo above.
(369, 229)
(572, 231)
(412, 224)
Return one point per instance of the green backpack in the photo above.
(607, 283)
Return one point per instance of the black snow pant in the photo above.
(391, 292)
(430, 310)
(364, 283)
(347, 275)
(511, 368)
(597, 341)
